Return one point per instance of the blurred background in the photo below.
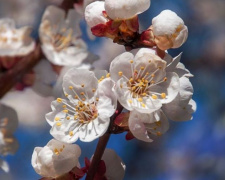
(189, 150)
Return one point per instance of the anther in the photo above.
(82, 85)
(108, 75)
(163, 95)
(58, 123)
(59, 100)
(120, 73)
(70, 87)
(71, 133)
(154, 96)
(65, 111)
(57, 118)
(131, 61)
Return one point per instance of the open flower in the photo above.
(169, 30)
(142, 83)
(144, 125)
(87, 113)
(125, 9)
(55, 159)
(60, 37)
(14, 42)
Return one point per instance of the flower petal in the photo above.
(121, 64)
(80, 81)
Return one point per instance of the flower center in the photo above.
(86, 112)
(59, 37)
(62, 39)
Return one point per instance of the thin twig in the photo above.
(101, 146)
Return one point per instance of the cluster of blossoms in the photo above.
(142, 90)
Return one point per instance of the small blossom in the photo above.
(169, 30)
(125, 9)
(142, 83)
(87, 113)
(14, 42)
(60, 37)
(55, 159)
(94, 13)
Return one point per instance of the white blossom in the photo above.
(142, 83)
(169, 30)
(115, 167)
(125, 9)
(87, 113)
(55, 159)
(60, 37)
(94, 13)
(14, 42)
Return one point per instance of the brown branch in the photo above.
(12, 76)
(101, 146)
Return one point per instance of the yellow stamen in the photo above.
(163, 95)
(154, 96)
(58, 123)
(108, 75)
(71, 133)
(65, 111)
(57, 118)
(120, 73)
(59, 100)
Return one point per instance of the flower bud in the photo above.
(94, 14)
(169, 30)
(55, 159)
(125, 9)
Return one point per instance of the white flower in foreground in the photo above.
(14, 42)
(86, 115)
(142, 83)
(143, 126)
(181, 108)
(60, 37)
(169, 30)
(94, 14)
(115, 167)
(55, 159)
(125, 9)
